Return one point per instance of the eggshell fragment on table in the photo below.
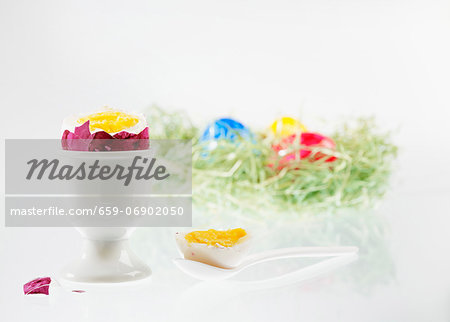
(39, 285)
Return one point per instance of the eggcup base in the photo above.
(103, 261)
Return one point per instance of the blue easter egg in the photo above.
(225, 128)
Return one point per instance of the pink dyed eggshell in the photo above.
(83, 140)
(39, 285)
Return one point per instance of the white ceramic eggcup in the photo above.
(106, 255)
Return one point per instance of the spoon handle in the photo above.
(298, 252)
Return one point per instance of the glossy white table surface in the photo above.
(401, 275)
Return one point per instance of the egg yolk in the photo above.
(212, 237)
(286, 126)
(109, 121)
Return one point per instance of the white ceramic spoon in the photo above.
(207, 272)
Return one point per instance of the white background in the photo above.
(254, 60)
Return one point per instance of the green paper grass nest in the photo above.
(236, 176)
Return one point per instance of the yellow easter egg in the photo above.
(286, 126)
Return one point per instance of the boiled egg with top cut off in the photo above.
(105, 130)
(220, 248)
(109, 120)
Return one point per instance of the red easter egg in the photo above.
(306, 139)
